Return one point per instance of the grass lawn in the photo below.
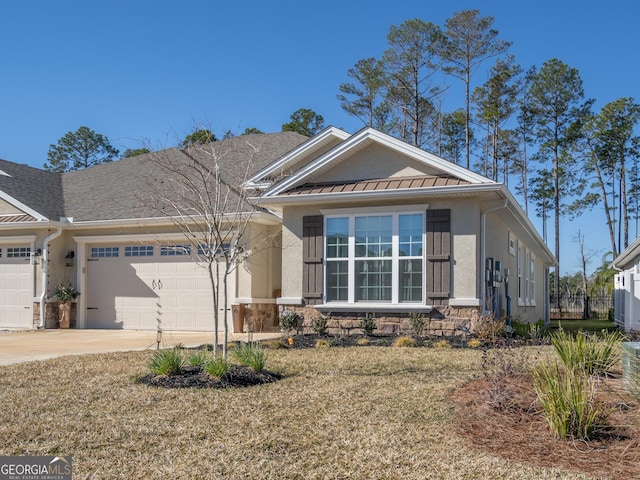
(585, 325)
(340, 413)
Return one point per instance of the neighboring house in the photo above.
(361, 224)
(627, 288)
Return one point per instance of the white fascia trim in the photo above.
(299, 150)
(374, 194)
(464, 302)
(373, 307)
(18, 239)
(627, 254)
(138, 237)
(383, 139)
(21, 206)
(386, 209)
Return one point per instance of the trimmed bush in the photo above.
(319, 325)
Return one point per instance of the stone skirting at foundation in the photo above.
(444, 321)
(52, 313)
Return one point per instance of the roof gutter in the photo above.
(45, 269)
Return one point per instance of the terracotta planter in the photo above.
(64, 317)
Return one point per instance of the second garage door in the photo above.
(146, 286)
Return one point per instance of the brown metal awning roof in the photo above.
(425, 181)
(17, 218)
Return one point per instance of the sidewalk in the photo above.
(27, 345)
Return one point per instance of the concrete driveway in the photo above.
(27, 345)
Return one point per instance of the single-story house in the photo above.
(627, 288)
(357, 224)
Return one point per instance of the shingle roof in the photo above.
(423, 181)
(38, 189)
(117, 190)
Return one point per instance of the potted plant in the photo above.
(64, 294)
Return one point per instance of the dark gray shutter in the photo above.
(438, 250)
(312, 248)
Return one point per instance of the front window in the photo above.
(375, 258)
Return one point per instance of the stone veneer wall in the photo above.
(443, 321)
(262, 316)
(52, 312)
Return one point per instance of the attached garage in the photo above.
(16, 286)
(148, 285)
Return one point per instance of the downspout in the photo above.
(45, 271)
(483, 253)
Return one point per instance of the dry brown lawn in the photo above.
(339, 413)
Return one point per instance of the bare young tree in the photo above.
(200, 189)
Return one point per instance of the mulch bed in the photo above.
(501, 417)
(194, 377)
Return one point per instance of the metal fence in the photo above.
(579, 306)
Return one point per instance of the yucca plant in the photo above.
(592, 353)
(252, 355)
(167, 362)
(568, 400)
(216, 367)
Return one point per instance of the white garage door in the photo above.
(16, 287)
(145, 286)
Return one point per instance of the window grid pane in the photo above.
(410, 235)
(138, 251)
(410, 280)
(373, 236)
(175, 250)
(338, 237)
(18, 252)
(104, 252)
(338, 281)
(373, 280)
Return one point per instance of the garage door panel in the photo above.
(142, 292)
(16, 288)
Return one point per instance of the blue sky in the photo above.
(149, 71)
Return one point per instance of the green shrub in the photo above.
(418, 324)
(216, 367)
(368, 324)
(568, 400)
(288, 321)
(319, 325)
(594, 354)
(167, 362)
(197, 358)
(251, 355)
(404, 342)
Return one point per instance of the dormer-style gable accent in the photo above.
(13, 211)
(303, 153)
(427, 163)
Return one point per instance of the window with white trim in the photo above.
(520, 275)
(175, 250)
(138, 251)
(527, 256)
(375, 258)
(18, 252)
(532, 279)
(104, 252)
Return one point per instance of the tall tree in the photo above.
(80, 149)
(470, 40)
(613, 149)
(200, 136)
(524, 129)
(453, 136)
(557, 113)
(495, 103)
(132, 152)
(305, 122)
(411, 62)
(362, 97)
(541, 194)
